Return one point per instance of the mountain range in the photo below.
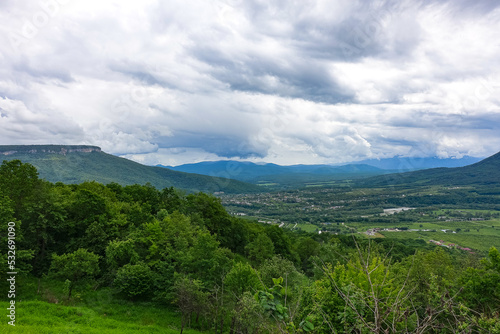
(267, 172)
(252, 172)
(78, 163)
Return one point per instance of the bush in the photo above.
(134, 280)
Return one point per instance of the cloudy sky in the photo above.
(280, 81)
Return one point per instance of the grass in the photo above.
(308, 227)
(90, 312)
(43, 317)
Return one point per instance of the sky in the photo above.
(281, 81)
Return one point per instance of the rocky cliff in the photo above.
(54, 149)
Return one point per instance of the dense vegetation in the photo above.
(104, 249)
(55, 165)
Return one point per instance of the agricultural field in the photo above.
(466, 216)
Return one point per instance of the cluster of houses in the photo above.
(441, 243)
(454, 219)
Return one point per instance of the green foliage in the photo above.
(248, 314)
(18, 181)
(307, 248)
(481, 286)
(189, 298)
(120, 253)
(277, 266)
(168, 248)
(242, 278)
(260, 249)
(75, 266)
(360, 294)
(134, 280)
(11, 237)
(208, 261)
(274, 304)
(271, 302)
(281, 242)
(493, 260)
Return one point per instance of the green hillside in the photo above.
(484, 172)
(76, 164)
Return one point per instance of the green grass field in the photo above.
(44, 317)
(90, 312)
(308, 227)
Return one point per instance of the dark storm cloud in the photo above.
(285, 77)
(222, 146)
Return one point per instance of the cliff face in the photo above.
(54, 149)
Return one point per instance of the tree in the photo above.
(75, 266)
(207, 260)
(134, 280)
(242, 277)
(481, 286)
(274, 305)
(493, 260)
(11, 256)
(281, 242)
(369, 294)
(307, 247)
(260, 249)
(120, 253)
(190, 299)
(18, 181)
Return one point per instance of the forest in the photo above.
(95, 258)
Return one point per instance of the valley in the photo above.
(108, 256)
(468, 216)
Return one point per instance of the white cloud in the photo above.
(279, 81)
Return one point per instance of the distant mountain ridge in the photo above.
(79, 163)
(484, 172)
(414, 163)
(254, 173)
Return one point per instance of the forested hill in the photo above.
(255, 173)
(484, 172)
(76, 164)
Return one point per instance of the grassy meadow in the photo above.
(88, 312)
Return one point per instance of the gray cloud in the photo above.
(282, 81)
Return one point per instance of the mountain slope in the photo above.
(76, 164)
(484, 172)
(402, 164)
